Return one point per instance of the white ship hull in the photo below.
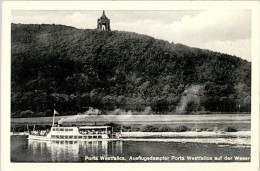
(45, 138)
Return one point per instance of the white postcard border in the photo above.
(125, 5)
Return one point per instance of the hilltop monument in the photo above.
(103, 23)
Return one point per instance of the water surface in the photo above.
(132, 150)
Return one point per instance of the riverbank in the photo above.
(189, 134)
(143, 123)
(136, 119)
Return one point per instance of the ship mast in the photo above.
(54, 113)
(53, 118)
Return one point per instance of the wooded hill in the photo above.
(81, 68)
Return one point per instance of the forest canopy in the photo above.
(108, 70)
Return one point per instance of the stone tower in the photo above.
(103, 23)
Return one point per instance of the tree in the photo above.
(79, 68)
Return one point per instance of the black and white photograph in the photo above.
(124, 85)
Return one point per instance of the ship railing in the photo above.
(92, 133)
(39, 133)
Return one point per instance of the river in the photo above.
(132, 150)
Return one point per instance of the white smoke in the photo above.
(191, 94)
(72, 118)
(91, 111)
(80, 116)
(121, 112)
(147, 111)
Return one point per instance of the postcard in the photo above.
(130, 85)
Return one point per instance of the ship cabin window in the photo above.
(66, 136)
(92, 131)
(70, 137)
(62, 129)
(52, 136)
(80, 137)
(57, 136)
(76, 137)
(61, 136)
(94, 136)
(99, 136)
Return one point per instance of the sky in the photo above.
(225, 31)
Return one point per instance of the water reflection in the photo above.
(24, 150)
(73, 151)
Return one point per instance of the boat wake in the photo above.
(221, 142)
(240, 139)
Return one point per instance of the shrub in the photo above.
(204, 129)
(230, 129)
(210, 129)
(26, 114)
(135, 129)
(126, 128)
(165, 129)
(181, 128)
(148, 128)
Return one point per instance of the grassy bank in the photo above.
(138, 119)
(209, 127)
(178, 128)
(241, 122)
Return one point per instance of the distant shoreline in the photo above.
(232, 116)
(156, 113)
(131, 123)
(189, 134)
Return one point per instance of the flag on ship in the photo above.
(55, 112)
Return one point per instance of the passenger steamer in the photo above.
(75, 133)
(81, 133)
